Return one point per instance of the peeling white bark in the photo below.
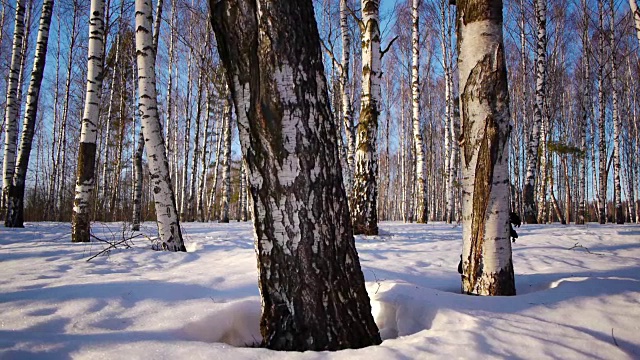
(484, 103)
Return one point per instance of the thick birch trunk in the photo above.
(484, 103)
(12, 105)
(243, 192)
(617, 189)
(421, 170)
(169, 232)
(15, 205)
(85, 173)
(226, 166)
(364, 208)
(312, 287)
(538, 111)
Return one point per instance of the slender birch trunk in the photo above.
(62, 154)
(214, 186)
(203, 159)
(186, 141)
(312, 286)
(364, 209)
(137, 184)
(347, 107)
(15, 205)
(421, 170)
(107, 158)
(243, 192)
(534, 136)
(617, 189)
(226, 166)
(170, 235)
(484, 103)
(12, 106)
(191, 204)
(585, 107)
(602, 144)
(85, 174)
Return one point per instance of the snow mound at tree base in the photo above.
(236, 324)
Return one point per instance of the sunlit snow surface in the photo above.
(141, 304)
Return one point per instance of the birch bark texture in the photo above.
(312, 286)
(633, 5)
(484, 102)
(345, 88)
(364, 199)
(85, 173)
(530, 214)
(170, 235)
(617, 188)
(421, 169)
(13, 104)
(15, 203)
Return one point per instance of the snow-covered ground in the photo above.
(142, 304)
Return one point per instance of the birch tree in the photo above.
(85, 173)
(12, 106)
(15, 203)
(170, 235)
(312, 287)
(617, 189)
(345, 88)
(602, 144)
(364, 208)
(226, 167)
(421, 169)
(484, 103)
(633, 5)
(530, 215)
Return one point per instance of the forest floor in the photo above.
(578, 295)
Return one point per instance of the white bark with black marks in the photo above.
(15, 202)
(170, 235)
(364, 212)
(311, 283)
(13, 104)
(85, 173)
(484, 103)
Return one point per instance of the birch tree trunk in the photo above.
(484, 103)
(312, 287)
(585, 109)
(617, 189)
(226, 166)
(345, 87)
(15, 204)
(364, 208)
(633, 5)
(204, 156)
(602, 144)
(85, 173)
(12, 106)
(137, 184)
(534, 136)
(421, 170)
(226, 114)
(170, 235)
